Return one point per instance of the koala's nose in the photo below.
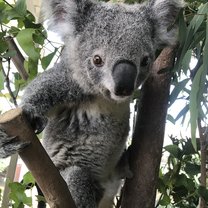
(124, 75)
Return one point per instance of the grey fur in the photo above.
(88, 122)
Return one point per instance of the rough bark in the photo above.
(146, 148)
(37, 160)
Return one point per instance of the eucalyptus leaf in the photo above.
(178, 88)
(198, 19)
(194, 104)
(170, 118)
(186, 61)
(182, 28)
(182, 113)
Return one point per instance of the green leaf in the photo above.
(28, 179)
(1, 80)
(45, 61)
(31, 17)
(13, 14)
(205, 62)
(19, 82)
(199, 36)
(199, 18)
(9, 54)
(194, 104)
(170, 118)
(2, 6)
(187, 148)
(178, 88)
(3, 46)
(18, 195)
(191, 38)
(181, 180)
(41, 198)
(180, 190)
(15, 186)
(14, 31)
(173, 150)
(165, 200)
(186, 61)
(20, 23)
(2, 34)
(192, 169)
(21, 7)
(25, 40)
(39, 38)
(183, 113)
(182, 28)
(32, 68)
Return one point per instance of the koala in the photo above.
(82, 103)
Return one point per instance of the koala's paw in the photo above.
(10, 145)
(37, 122)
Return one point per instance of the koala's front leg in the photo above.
(10, 145)
(46, 91)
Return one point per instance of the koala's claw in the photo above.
(10, 145)
(36, 122)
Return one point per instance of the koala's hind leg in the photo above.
(85, 191)
(112, 187)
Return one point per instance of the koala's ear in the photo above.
(65, 16)
(164, 14)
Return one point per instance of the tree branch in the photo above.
(18, 59)
(6, 77)
(37, 160)
(146, 148)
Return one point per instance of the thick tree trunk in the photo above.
(146, 148)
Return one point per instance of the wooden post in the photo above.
(37, 160)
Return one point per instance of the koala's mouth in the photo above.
(112, 96)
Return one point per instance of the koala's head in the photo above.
(109, 48)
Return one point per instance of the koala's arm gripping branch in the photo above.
(37, 160)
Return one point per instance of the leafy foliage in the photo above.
(179, 179)
(18, 24)
(18, 195)
(190, 82)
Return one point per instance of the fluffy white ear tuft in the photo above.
(59, 13)
(64, 15)
(164, 14)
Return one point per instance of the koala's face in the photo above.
(115, 50)
(110, 48)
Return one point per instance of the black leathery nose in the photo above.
(124, 75)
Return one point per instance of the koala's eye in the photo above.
(145, 61)
(97, 60)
